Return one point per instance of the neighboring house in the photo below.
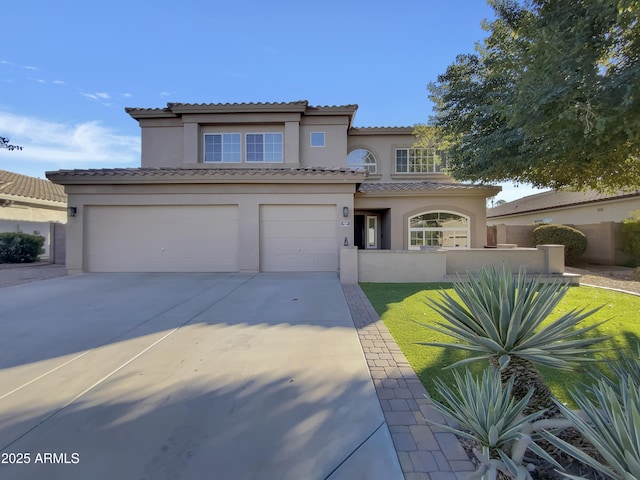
(565, 207)
(30, 205)
(265, 187)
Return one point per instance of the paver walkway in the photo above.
(425, 452)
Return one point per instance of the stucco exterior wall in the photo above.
(607, 211)
(403, 207)
(334, 153)
(445, 264)
(247, 197)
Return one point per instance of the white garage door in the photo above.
(298, 238)
(184, 238)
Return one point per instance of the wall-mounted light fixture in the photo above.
(345, 211)
(71, 211)
(346, 240)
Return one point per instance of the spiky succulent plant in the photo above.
(486, 412)
(610, 421)
(499, 318)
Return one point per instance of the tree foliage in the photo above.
(4, 143)
(551, 97)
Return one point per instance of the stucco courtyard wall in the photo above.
(442, 264)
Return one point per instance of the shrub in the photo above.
(574, 241)
(631, 237)
(17, 247)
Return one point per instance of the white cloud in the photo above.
(96, 96)
(59, 82)
(165, 94)
(82, 145)
(31, 67)
(127, 95)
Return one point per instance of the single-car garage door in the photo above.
(295, 238)
(170, 238)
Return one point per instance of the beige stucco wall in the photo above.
(403, 207)
(162, 143)
(334, 153)
(445, 264)
(383, 147)
(609, 211)
(248, 198)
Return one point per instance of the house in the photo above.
(250, 187)
(31, 205)
(566, 207)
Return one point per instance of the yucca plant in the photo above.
(499, 318)
(487, 413)
(611, 423)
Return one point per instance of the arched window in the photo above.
(361, 158)
(438, 229)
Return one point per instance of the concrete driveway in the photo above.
(186, 376)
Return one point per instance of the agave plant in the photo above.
(487, 413)
(499, 318)
(611, 422)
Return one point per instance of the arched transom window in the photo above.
(438, 229)
(361, 158)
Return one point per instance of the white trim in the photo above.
(368, 232)
(446, 232)
(221, 134)
(366, 166)
(311, 134)
(436, 167)
(246, 149)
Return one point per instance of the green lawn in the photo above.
(402, 307)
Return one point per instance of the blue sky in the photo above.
(68, 69)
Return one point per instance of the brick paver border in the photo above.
(424, 451)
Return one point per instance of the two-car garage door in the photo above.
(168, 238)
(205, 238)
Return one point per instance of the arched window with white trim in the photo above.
(438, 229)
(362, 158)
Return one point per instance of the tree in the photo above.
(551, 97)
(4, 143)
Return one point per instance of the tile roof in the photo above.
(381, 130)
(554, 199)
(30, 187)
(205, 172)
(370, 187)
(176, 108)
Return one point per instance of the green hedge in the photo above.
(631, 238)
(574, 241)
(18, 247)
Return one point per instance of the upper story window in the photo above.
(222, 147)
(419, 160)
(317, 139)
(361, 158)
(264, 147)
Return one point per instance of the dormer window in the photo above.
(362, 158)
(222, 147)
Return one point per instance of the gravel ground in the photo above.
(608, 276)
(619, 278)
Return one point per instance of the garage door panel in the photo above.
(298, 238)
(161, 238)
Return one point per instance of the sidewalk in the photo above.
(425, 452)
